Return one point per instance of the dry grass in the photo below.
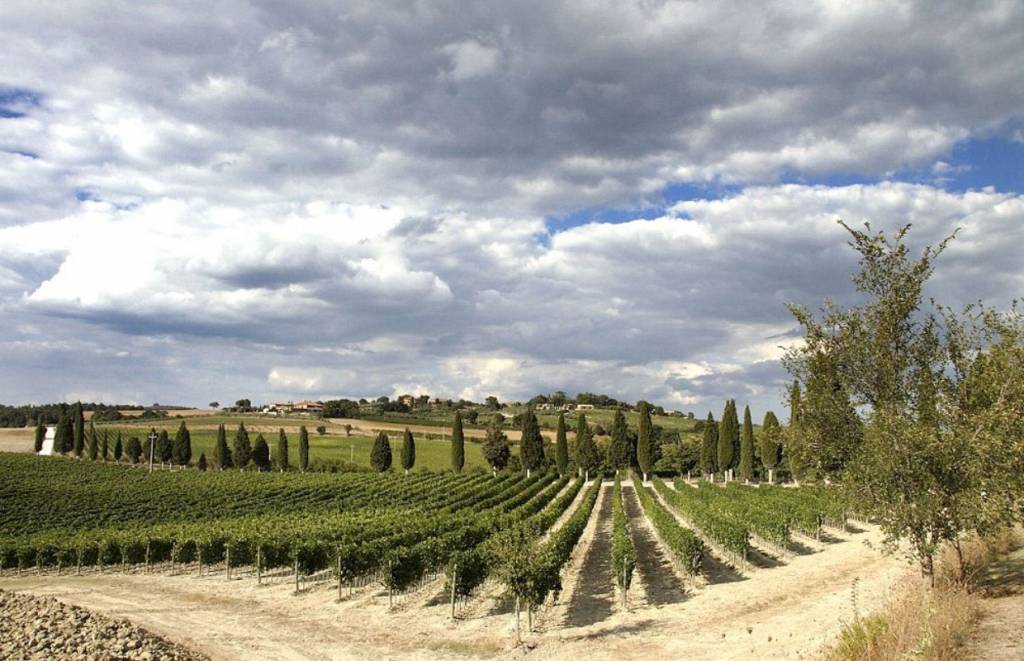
(927, 623)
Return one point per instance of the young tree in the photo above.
(282, 449)
(380, 456)
(531, 443)
(105, 445)
(261, 454)
(241, 453)
(728, 439)
(202, 460)
(119, 449)
(746, 464)
(303, 449)
(512, 553)
(561, 446)
(709, 448)
(644, 440)
(587, 454)
(79, 430)
(496, 450)
(619, 446)
(458, 444)
(221, 452)
(771, 444)
(134, 450)
(39, 438)
(182, 446)
(91, 444)
(408, 451)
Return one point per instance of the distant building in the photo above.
(584, 407)
(300, 408)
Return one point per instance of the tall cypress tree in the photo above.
(746, 465)
(261, 453)
(380, 456)
(587, 454)
(165, 447)
(91, 445)
(182, 448)
(241, 453)
(79, 430)
(531, 443)
(728, 439)
(644, 440)
(282, 449)
(619, 447)
(408, 451)
(105, 445)
(39, 438)
(303, 449)
(63, 438)
(458, 444)
(561, 446)
(221, 453)
(118, 449)
(771, 444)
(709, 448)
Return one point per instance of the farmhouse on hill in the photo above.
(299, 408)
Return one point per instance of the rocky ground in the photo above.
(44, 628)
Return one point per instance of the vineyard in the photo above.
(466, 538)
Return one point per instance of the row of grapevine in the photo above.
(623, 551)
(685, 546)
(719, 527)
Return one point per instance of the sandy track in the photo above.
(593, 598)
(1000, 631)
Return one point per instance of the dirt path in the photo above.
(658, 581)
(1000, 631)
(594, 596)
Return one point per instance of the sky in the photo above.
(205, 201)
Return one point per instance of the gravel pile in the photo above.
(44, 628)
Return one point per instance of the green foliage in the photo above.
(282, 450)
(709, 447)
(63, 440)
(119, 448)
(623, 551)
(202, 462)
(531, 443)
(40, 436)
(644, 440)
(746, 463)
(684, 545)
(261, 453)
(588, 457)
(303, 449)
(408, 451)
(241, 452)
(458, 444)
(728, 438)
(133, 449)
(221, 453)
(716, 524)
(78, 419)
(91, 445)
(496, 449)
(561, 446)
(619, 447)
(380, 457)
(164, 447)
(771, 441)
(182, 447)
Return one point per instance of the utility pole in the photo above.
(152, 447)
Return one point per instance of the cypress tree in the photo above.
(458, 444)
(644, 441)
(561, 446)
(408, 451)
(62, 442)
(303, 449)
(39, 438)
(709, 448)
(241, 453)
(380, 456)
(531, 443)
(79, 430)
(164, 447)
(586, 450)
(202, 461)
(134, 450)
(728, 439)
(496, 450)
(282, 449)
(794, 403)
(182, 448)
(619, 447)
(261, 453)
(105, 446)
(92, 447)
(118, 449)
(771, 444)
(221, 453)
(746, 465)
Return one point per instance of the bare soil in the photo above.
(1000, 632)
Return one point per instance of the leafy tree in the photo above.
(513, 556)
(202, 457)
(261, 453)
(119, 449)
(241, 453)
(91, 442)
(303, 449)
(408, 451)
(182, 447)
(746, 464)
(644, 441)
(458, 444)
(619, 446)
(380, 456)
(561, 446)
(221, 452)
(771, 444)
(39, 438)
(492, 403)
(321, 430)
(134, 449)
(728, 439)
(531, 443)
(79, 429)
(214, 405)
(496, 449)
(282, 449)
(709, 448)
(164, 447)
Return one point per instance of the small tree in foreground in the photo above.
(380, 456)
